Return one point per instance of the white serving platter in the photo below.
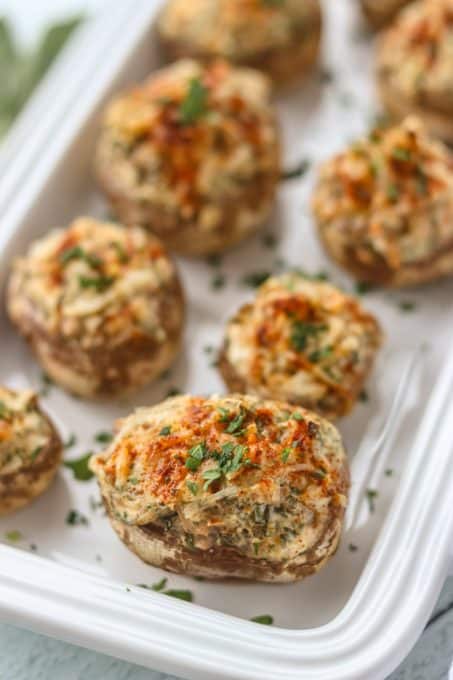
(359, 617)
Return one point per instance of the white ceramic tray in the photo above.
(359, 617)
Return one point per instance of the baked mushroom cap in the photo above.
(384, 207)
(192, 154)
(30, 450)
(226, 487)
(381, 12)
(101, 306)
(415, 65)
(301, 341)
(279, 37)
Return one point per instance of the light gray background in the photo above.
(26, 656)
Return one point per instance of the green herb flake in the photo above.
(194, 106)
(192, 486)
(75, 518)
(264, 619)
(363, 287)
(122, 255)
(407, 306)
(159, 585)
(269, 241)
(103, 437)
(14, 536)
(364, 396)
(78, 253)
(371, 495)
(286, 454)
(3, 411)
(98, 283)
(389, 472)
(47, 383)
(172, 392)
(196, 456)
(352, 547)
(35, 453)
(401, 154)
(80, 468)
(210, 476)
(165, 431)
(298, 171)
(235, 425)
(301, 331)
(70, 442)
(185, 595)
(297, 416)
(393, 193)
(218, 281)
(320, 354)
(255, 279)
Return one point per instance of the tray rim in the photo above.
(361, 641)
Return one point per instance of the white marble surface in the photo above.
(26, 656)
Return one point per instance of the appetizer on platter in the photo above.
(30, 449)
(301, 341)
(101, 306)
(226, 487)
(193, 155)
(415, 65)
(384, 207)
(280, 37)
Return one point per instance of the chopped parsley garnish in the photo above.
(78, 253)
(393, 193)
(407, 306)
(47, 384)
(211, 475)
(352, 547)
(301, 331)
(298, 171)
(371, 495)
(71, 441)
(286, 454)
(173, 392)
(264, 619)
(297, 416)
(196, 456)
(103, 437)
(401, 154)
(320, 354)
(363, 287)
(80, 468)
(98, 283)
(123, 257)
(389, 472)
(225, 414)
(194, 106)
(35, 453)
(218, 281)
(269, 241)
(235, 425)
(165, 431)
(363, 396)
(159, 586)
(185, 595)
(13, 536)
(75, 518)
(255, 279)
(192, 486)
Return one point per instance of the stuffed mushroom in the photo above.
(30, 450)
(280, 38)
(226, 487)
(381, 12)
(415, 66)
(384, 207)
(301, 341)
(192, 155)
(101, 306)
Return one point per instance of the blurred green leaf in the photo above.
(20, 72)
